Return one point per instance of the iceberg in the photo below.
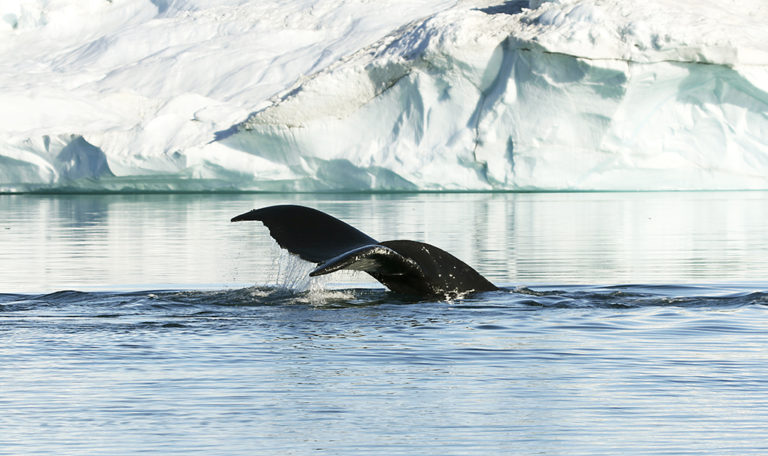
(332, 95)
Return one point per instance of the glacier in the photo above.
(353, 95)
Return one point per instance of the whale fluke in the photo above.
(373, 259)
(311, 234)
(403, 266)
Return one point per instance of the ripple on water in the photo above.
(575, 369)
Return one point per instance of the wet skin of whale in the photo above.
(408, 267)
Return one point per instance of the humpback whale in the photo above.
(407, 267)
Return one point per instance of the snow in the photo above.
(322, 95)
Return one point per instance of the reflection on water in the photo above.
(127, 241)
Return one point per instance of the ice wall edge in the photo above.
(493, 111)
(565, 95)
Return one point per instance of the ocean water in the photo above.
(628, 323)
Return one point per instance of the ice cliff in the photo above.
(350, 95)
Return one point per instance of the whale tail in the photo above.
(410, 267)
(403, 266)
(311, 234)
(373, 259)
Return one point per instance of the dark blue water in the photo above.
(635, 336)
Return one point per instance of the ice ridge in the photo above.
(331, 95)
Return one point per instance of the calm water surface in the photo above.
(629, 324)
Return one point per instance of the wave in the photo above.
(190, 302)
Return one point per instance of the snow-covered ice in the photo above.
(396, 95)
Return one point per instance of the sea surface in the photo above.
(628, 323)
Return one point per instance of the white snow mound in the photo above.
(356, 95)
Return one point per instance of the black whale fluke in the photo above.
(312, 235)
(408, 267)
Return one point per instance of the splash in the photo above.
(292, 277)
(291, 272)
